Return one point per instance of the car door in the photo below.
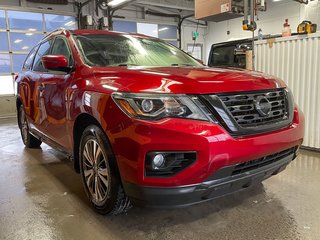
(53, 102)
(27, 82)
(37, 71)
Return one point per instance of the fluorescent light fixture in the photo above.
(29, 34)
(115, 3)
(163, 29)
(70, 23)
(276, 0)
(32, 29)
(18, 41)
(25, 48)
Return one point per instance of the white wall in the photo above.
(271, 21)
(187, 37)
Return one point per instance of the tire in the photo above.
(99, 173)
(28, 139)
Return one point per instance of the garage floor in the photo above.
(41, 197)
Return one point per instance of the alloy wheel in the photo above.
(96, 172)
(24, 126)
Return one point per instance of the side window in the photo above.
(29, 60)
(43, 50)
(60, 47)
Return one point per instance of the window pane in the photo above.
(18, 60)
(6, 85)
(125, 26)
(60, 48)
(29, 60)
(2, 20)
(56, 21)
(167, 31)
(43, 50)
(5, 65)
(24, 42)
(148, 29)
(4, 42)
(25, 21)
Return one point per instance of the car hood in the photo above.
(183, 80)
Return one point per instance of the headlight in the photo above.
(159, 106)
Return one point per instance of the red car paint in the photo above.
(54, 102)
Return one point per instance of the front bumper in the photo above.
(160, 197)
(132, 140)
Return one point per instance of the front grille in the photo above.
(264, 161)
(242, 107)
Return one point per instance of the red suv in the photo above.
(145, 123)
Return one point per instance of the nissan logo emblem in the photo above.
(263, 106)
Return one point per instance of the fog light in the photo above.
(157, 161)
(168, 163)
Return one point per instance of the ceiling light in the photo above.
(18, 41)
(29, 34)
(32, 29)
(25, 48)
(115, 3)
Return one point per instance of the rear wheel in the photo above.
(100, 174)
(28, 139)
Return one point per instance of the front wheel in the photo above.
(100, 174)
(28, 139)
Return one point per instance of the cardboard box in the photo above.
(215, 10)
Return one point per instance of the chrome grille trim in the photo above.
(241, 106)
(237, 113)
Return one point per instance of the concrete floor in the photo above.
(41, 197)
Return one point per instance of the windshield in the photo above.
(126, 50)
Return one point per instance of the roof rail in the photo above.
(56, 30)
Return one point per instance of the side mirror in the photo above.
(55, 62)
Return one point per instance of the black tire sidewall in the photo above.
(25, 141)
(95, 133)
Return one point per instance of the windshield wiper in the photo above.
(181, 64)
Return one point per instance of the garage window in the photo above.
(23, 42)
(25, 21)
(55, 21)
(23, 31)
(4, 46)
(2, 20)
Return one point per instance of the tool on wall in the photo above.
(306, 27)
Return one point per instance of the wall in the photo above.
(296, 60)
(271, 21)
(7, 106)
